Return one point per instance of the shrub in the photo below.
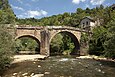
(6, 47)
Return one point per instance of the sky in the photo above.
(45, 8)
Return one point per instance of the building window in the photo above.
(87, 23)
(83, 24)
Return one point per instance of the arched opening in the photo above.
(27, 44)
(64, 43)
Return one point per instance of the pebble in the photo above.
(47, 73)
(24, 74)
(15, 73)
(39, 66)
(38, 75)
(49, 68)
(80, 63)
(34, 62)
(86, 66)
(99, 70)
(82, 70)
(71, 68)
(103, 72)
(32, 74)
(64, 59)
(20, 72)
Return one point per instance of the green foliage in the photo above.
(103, 39)
(6, 40)
(27, 44)
(6, 47)
(109, 44)
(84, 39)
(56, 44)
(97, 41)
(6, 14)
(110, 47)
(62, 44)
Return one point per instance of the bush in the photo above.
(6, 47)
(109, 44)
(97, 40)
(110, 48)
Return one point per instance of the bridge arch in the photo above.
(73, 37)
(32, 37)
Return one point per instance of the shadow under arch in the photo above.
(32, 37)
(74, 39)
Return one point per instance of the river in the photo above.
(60, 66)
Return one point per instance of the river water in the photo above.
(58, 66)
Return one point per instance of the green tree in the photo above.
(56, 44)
(6, 47)
(27, 44)
(79, 10)
(97, 40)
(109, 44)
(6, 13)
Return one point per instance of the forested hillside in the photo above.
(71, 19)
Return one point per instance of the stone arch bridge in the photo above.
(44, 35)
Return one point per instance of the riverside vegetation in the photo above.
(102, 42)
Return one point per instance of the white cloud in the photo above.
(17, 8)
(87, 5)
(33, 13)
(44, 12)
(77, 1)
(96, 2)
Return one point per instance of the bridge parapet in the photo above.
(30, 28)
(63, 27)
(54, 28)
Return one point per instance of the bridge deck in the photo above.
(53, 28)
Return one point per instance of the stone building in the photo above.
(88, 23)
(113, 7)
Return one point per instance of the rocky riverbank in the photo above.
(21, 58)
(58, 66)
